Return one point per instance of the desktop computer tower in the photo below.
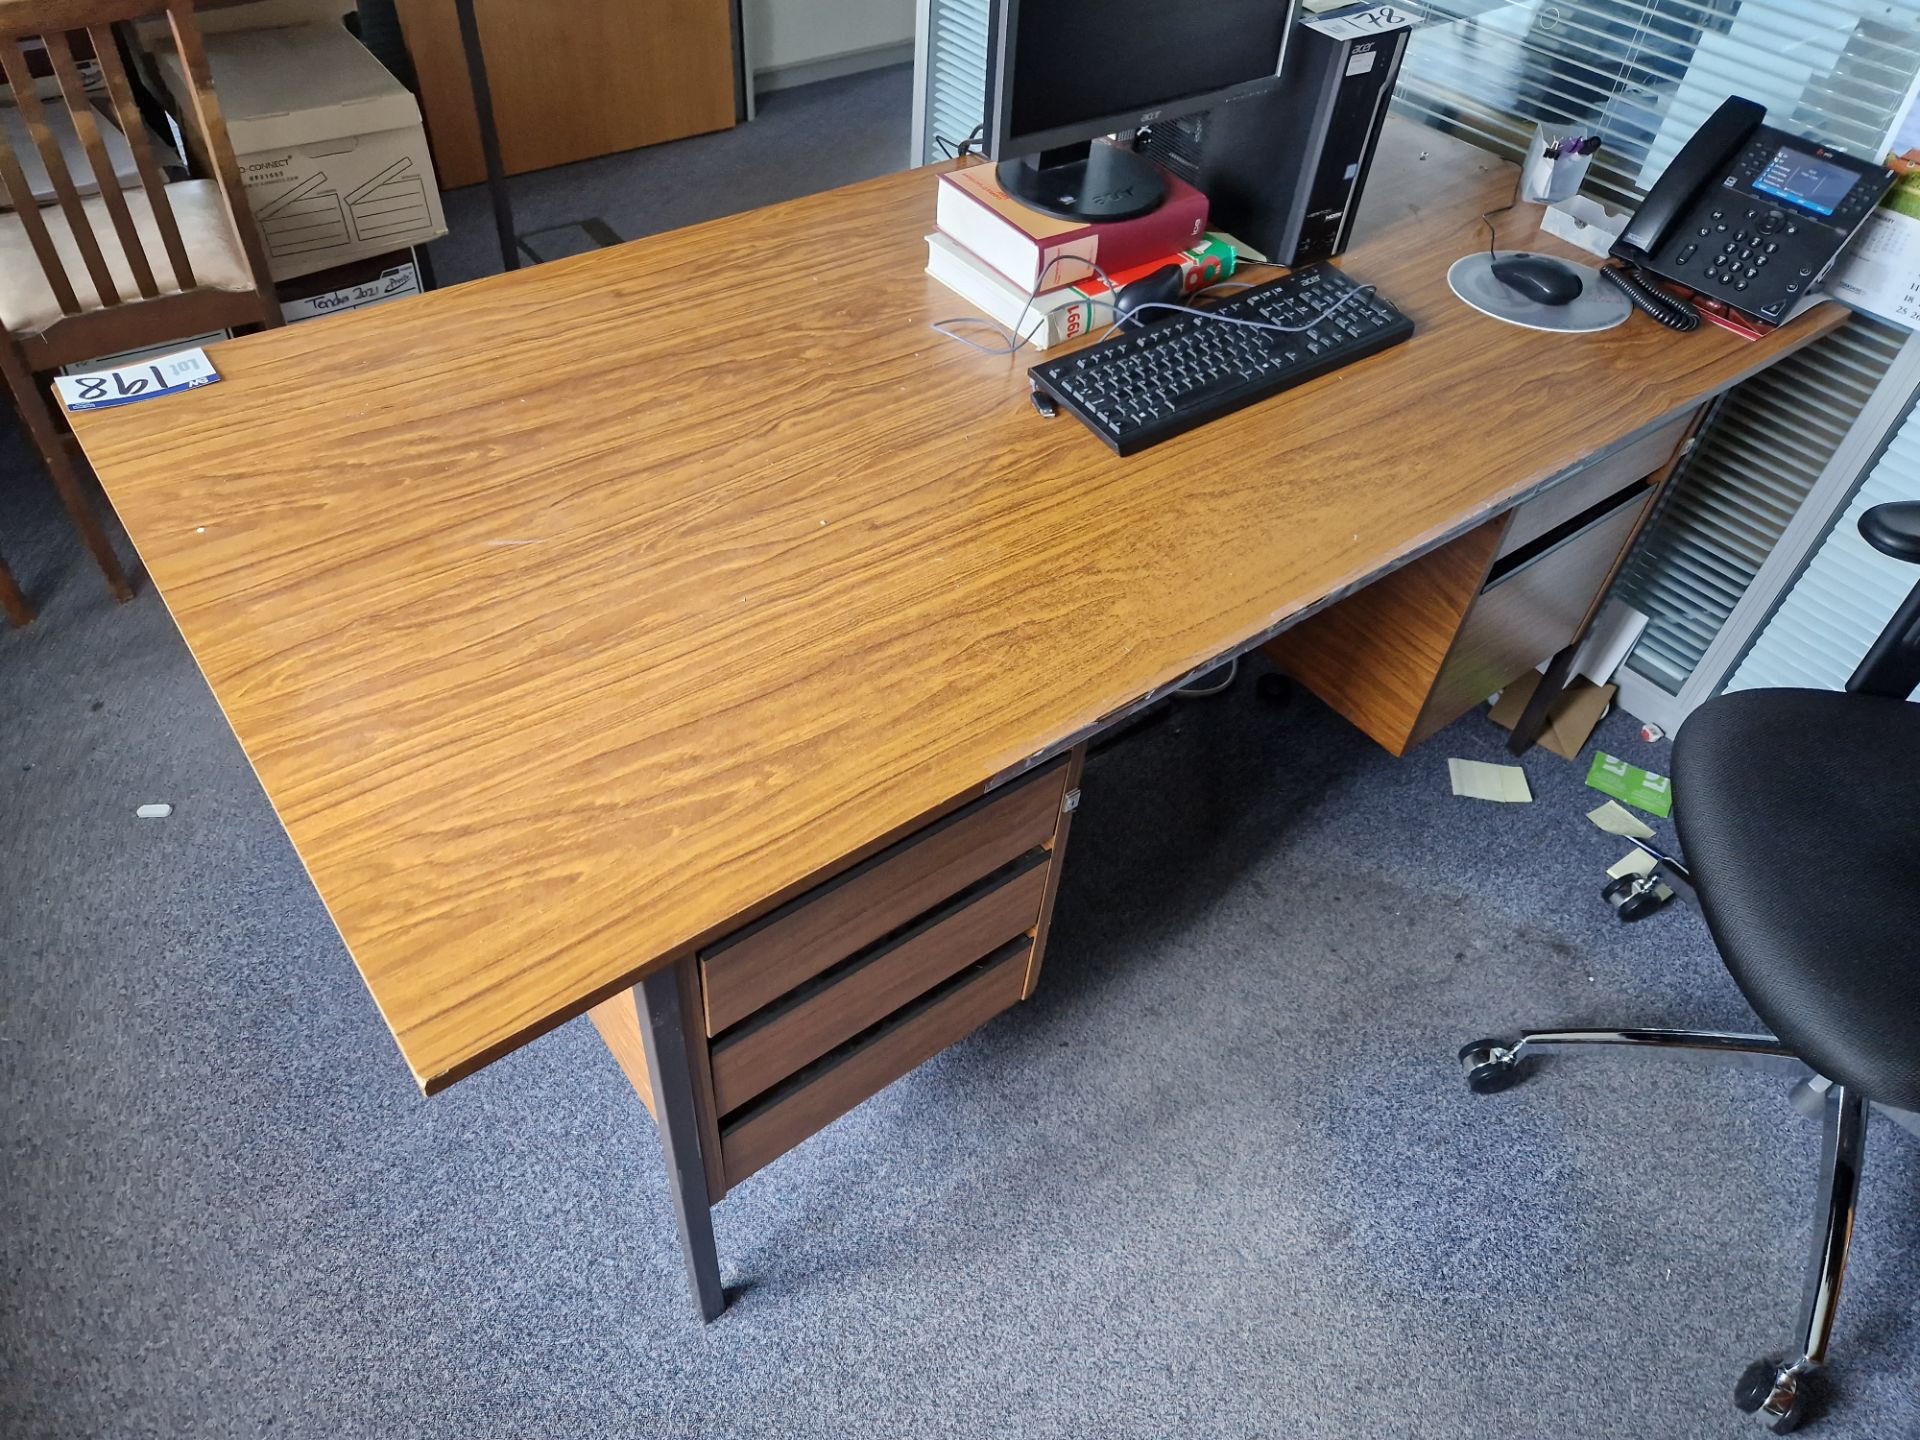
(1283, 171)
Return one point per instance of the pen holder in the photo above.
(1556, 165)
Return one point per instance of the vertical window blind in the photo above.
(1747, 478)
(1848, 590)
(954, 74)
(1644, 73)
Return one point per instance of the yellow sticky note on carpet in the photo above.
(1639, 862)
(1478, 780)
(1634, 862)
(1616, 819)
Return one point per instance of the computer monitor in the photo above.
(1065, 72)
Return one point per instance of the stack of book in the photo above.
(1012, 262)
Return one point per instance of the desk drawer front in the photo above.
(871, 1061)
(1585, 488)
(840, 1004)
(1528, 615)
(818, 930)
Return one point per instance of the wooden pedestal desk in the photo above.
(614, 637)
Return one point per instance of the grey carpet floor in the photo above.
(1219, 1178)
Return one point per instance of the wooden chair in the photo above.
(122, 269)
(12, 603)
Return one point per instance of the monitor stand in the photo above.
(1092, 182)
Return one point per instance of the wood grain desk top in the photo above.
(567, 614)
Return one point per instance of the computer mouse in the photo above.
(1165, 286)
(1539, 278)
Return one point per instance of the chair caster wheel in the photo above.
(1490, 1066)
(1777, 1395)
(1633, 897)
(1274, 688)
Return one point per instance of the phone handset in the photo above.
(1700, 161)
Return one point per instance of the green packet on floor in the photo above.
(1640, 788)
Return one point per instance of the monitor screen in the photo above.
(1806, 180)
(1080, 61)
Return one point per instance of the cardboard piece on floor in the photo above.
(1634, 862)
(1477, 780)
(1617, 820)
(1641, 789)
(1570, 719)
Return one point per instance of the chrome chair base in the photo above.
(1775, 1393)
(1782, 1394)
(1493, 1065)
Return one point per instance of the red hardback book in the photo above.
(1021, 243)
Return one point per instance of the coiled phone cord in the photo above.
(1669, 310)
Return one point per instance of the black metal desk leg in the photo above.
(1534, 718)
(489, 133)
(670, 1072)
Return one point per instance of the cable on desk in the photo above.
(965, 147)
(1276, 328)
(1669, 310)
(1486, 216)
(1013, 341)
(1195, 692)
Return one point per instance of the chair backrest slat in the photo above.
(21, 79)
(20, 196)
(133, 125)
(67, 28)
(218, 146)
(87, 126)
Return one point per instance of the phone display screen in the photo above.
(1806, 180)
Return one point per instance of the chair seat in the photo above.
(1799, 811)
(27, 304)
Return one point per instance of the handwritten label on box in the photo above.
(164, 375)
(1378, 20)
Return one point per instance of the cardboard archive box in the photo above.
(330, 145)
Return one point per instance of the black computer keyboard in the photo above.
(1145, 386)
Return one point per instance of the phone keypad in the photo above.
(1741, 245)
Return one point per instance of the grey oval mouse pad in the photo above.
(1598, 306)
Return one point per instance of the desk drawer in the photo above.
(838, 1005)
(871, 1061)
(1524, 617)
(1584, 488)
(762, 962)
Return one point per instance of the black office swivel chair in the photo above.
(1810, 882)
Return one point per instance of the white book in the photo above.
(1055, 317)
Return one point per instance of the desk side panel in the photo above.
(1374, 657)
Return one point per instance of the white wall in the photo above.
(785, 33)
